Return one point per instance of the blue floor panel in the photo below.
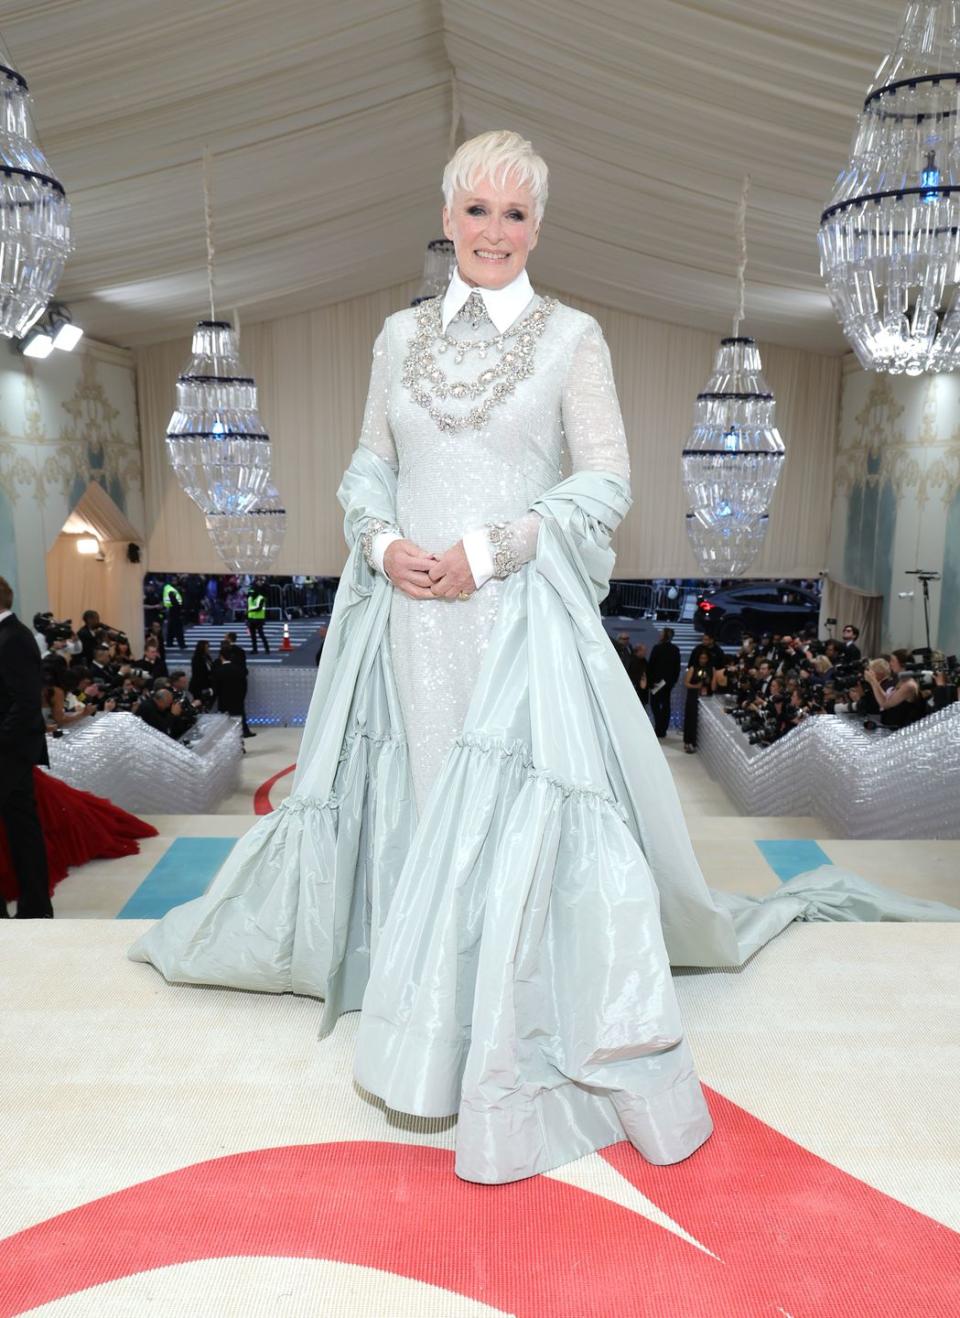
(184, 871)
(788, 857)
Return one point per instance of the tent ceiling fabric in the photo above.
(95, 513)
(329, 126)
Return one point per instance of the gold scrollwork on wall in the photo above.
(879, 452)
(90, 446)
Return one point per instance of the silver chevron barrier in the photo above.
(902, 784)
(144, 771)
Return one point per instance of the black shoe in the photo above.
(248, 733)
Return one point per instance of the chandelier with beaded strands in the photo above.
(216, 442)
(34, 215)
(734, 455)
(438, 266)
(249, 542)
(890, 238)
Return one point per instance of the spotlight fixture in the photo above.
(88, 544)
(66, 335)
(36, 343)
(54, 329)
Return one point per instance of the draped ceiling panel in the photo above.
(329, 123)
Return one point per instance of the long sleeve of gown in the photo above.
(593, 428)
(376, 436)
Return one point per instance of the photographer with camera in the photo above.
(46, 631)
(61, 705)
(94, 633)
(128, 695)
(904, 704)
(858, 691)
(56, 650)
(946, 682)
(152, 665)
(190, 709)
(162, 711)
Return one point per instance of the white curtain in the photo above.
(312, 370)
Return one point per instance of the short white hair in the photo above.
(495, 156)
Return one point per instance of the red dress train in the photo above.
(77, 827)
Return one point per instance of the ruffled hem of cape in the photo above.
(296, 904)
(522, 980)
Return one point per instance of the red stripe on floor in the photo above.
(792, 1234)
(261, 797)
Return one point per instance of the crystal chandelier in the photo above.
(733, 457)
(34, 216)
(249, 542)
(438, 265)
(216, 442)
(890, 237)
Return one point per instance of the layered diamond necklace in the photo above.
(514, 360)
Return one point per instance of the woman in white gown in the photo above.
(483, 849)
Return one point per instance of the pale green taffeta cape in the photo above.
(511, 949)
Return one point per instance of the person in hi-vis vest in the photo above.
(173, 609)
(256, 613)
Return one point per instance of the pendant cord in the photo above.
(741, 255)
(208, 222)
(455, 114)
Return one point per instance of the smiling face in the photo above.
(493, 230)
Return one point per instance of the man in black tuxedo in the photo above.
(851, 651)
(23, 744)
(238, 656)
(663, 670)
(102, 670)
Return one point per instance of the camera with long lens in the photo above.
(849, 674)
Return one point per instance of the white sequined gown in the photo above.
(449, 482)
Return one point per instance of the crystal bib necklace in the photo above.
(513, 361)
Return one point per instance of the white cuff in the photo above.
(476, 546)
(378, 547)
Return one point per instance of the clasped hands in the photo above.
(425, 576)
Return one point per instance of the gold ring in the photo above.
(464, 595)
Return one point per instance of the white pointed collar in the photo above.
(503, 304)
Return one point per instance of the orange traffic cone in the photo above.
(285, 643)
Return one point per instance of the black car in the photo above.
(757, 607)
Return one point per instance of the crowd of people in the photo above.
(176, 600)
(93, 670)
(775, 682)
